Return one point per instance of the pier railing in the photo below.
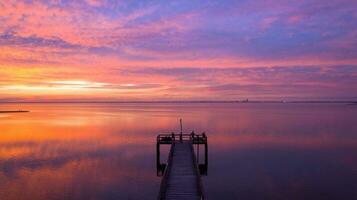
(163, 169)
(171, 138)
(166, 172)
(168, 138)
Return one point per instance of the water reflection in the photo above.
(107, 151)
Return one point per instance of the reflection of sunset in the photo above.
(54, 147)
(83, 128)
(54, 180)
(24, 135)
(57, 150)
(249, 141)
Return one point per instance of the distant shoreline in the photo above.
(13, 111)
(178, 102)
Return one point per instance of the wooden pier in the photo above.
(181, 175)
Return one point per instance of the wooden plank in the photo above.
(182, 180)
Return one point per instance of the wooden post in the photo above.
(198, 150)
(206, 155)
(158, 164)
(180, 130)
(204, 137)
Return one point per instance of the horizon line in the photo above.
(193, 101)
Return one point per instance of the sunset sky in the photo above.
(59, 50)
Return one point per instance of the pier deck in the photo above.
(182, 177)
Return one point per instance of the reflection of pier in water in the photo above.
(182, 173)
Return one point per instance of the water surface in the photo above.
(107, 151)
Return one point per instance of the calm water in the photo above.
(107, 151)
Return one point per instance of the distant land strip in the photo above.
(183, 102)
(13, 111)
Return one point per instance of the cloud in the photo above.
(96, 3)
(269, 82)
(228, 48)
(11, 39)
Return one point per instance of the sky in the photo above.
(106, 50)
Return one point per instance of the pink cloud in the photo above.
(96, 3)
(295, 19)
(268, 22)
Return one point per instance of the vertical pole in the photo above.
(206, 155)
(204, 137)
(158, 164)
(198, 153)
(180, 130)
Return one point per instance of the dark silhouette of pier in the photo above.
(181, 175)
